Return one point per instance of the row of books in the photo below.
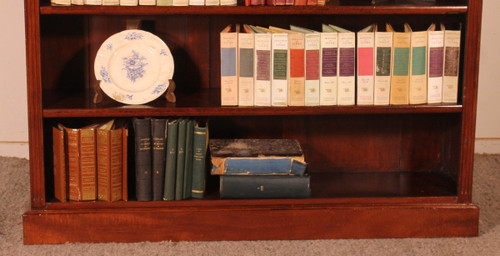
(90, 163)
(169, 158)
(146, 2)
(285, 2)
(302, 67)
(260, 168)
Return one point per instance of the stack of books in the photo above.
(302, 67)
(169, 158)
(90, 163)
(260, 168)
(146, 2)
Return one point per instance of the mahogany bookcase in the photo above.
(376, 171)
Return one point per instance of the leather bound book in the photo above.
(60, 182)
(261, 186)
(200, 143)
(171, 160)
(181, 152)
(142, 129)
(104, 156)
(159, 136)
(188, 160)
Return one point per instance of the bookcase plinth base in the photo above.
(249, 223)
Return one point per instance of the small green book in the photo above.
(181, 152)
(188, 162)
(200, 139)
(171, 160)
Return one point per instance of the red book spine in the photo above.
(312, 2)
(300, 2)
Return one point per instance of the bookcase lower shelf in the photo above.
(265, 222)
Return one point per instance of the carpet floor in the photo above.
(14, 201)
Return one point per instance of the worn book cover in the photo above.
(158, 140)
(143, 178)
(200, 144)
(260, 186)
(256, 157)
(60, 167)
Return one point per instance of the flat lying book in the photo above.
(259, 186)
(256, 157)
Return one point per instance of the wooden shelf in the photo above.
(253, 10)
(206, 102)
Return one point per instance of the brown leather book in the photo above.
(60, 183)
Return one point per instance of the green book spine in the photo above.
(171, 161)
(200, 139)
(164, 2)
(188, 162)
(181, 152)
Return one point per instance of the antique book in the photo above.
(200, 144)
(256, 157)
(77, 2)
(328, 67)
(164, 2)
(212, 2)
(60, 2)
(279, 69)
(312, 2)
(246, 66)
(197, 2)
(110, 2)
(129, 2)
(229, 62)
(259, 186)
(93, 2)
(418, 67)
(147, 2)
(188, 160)
(143, 177)
(383, 59)
(365, 65)
(228, 2)
(346, 85)
(181, 153)
(60, 168)
(158, 140)
(289, 2)
(435, 62)
(171, 160)
(451, 65)
(275, 2)
(311, 47)
(180, 2)
(296, 79)
(400, 72)
(82, 164)
(300, 2)
(262, 67)
(321, 2)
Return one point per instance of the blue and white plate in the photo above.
(134, 67)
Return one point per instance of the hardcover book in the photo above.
(188, 160)
(164, 2)
(279, 69)
(181, 153)
(212, 2)
(77, 2)
(435, 64)
(129, 2)
(451, 65)
(229, 61)
(147, 2)
(180, 2)
(197, 2)
(246, 46)
(258, 186)
(383, 65)
(346, 66)
(60, 168)
(328, 66)
(143, 177)
(93, 2)
(200, 144)
(256, 157)
(158, 140)
(365, 67)
(110, 2)
(60, 2)
(228, 2)
(171, 160)
(400, 72)
(262, 68)
(418, 67)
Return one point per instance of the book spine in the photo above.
(77, 2)
(159, 135)
(116, 162)
(125, 163)
(58, 150)
(181, 153)
(296, 83)
(235, 186)
(312, 2)
(400, 79)
(289, 2)
(110, 2)
(258, 166)
(418, 68)
(142, 129)
(347, 58)
(88, 164)
(312, 44)
(197, 2)
(129, 2)
(262, 84)
(212, 2)
(188, 160)
(257, 2)
(451, 66)
(229, 60)
(228, 2)
(171, 160)
(321, 2)
(93, 2)
(103, 165)
(366, 44)
(60, 2)
(280, 2)
(73, 149)
(164, 2)
(180, 2)
(328, 75)
(200, 139)
(147, 2)
(279, 67)
(300, 2)
(246, 65)
(383, 53)
(435, 66)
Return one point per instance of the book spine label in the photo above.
(236, 186)
(328, 75)
(93, 2)
(181, 153)
(262, 69)
(199, 155)
(296, 87)
(279, 84)
(171, 161)
(400, 80)
(366, 44)
(158, 139)
(451, 66)
(116, 164)
(103, 165)
(188, 160)
(142, 128)
(418, 68)
(347, 59)
(88, 164)
(110, 2)
(77, 2)
(435, 66)
(129, 2)
(197, 2)
(147, 2)
(180, 2)
(383, 53)
(229, 79)
(228, 2)
(212, 2)
(60, 183)
(312, 45)
(246, 65)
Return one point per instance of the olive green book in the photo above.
(171, 160)
(200, 143)
(181, 152)
(188, 159)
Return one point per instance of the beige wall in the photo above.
(13, 110)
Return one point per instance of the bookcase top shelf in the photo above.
(253, 10)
